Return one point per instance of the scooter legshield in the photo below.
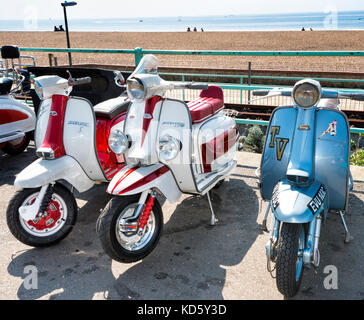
(135, 180)
(293, 204)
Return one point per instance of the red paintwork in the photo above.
(217, 147)
(147, 179)
(53, 212)
(210, 102)
(122, 178)
(54, 134)
(9, 116)
(108, 159)
(149, 109)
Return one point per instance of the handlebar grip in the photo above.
(197, 86)
(80, 81)
(357, 97)
(260, 93)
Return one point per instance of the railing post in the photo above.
(138, 55)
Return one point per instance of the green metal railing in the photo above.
(139, 52)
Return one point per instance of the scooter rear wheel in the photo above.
(49, 230)
(127, 246)
(290, 258)
(17, 146)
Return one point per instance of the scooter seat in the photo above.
(10, 52)
(210, 102)
(5, 85)
(111, 108)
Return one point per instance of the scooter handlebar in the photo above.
(260, 93)
(80, 81)
(352, 96)
(197, 86)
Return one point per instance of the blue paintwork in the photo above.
(293, 202)
(324, 159)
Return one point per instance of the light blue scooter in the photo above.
(304, 173)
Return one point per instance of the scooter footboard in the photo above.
(42, 172)
(136, 180)
(292, 204)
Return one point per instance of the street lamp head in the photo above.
(68, 4)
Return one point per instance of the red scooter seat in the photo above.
(210, 102)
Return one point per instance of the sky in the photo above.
(45, 9)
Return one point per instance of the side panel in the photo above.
(277, 149)
(175, 120)
(79, 137)
(332, 155)
(15, 116)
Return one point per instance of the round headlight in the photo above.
(306, 93)
(135, 88)
(168, 147)
(118, 141)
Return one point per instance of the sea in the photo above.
(331, 20)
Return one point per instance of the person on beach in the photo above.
(303, 29)
(188, 29)
(195, 29)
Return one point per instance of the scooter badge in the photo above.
(331, 129)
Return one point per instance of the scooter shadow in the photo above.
(10, 166)
(344, 260)
(188, 262)
(191, 259)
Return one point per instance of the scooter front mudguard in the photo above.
(42, 172)
(138, 179)
(293, 204)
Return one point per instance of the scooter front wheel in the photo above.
(290, 266)
(124, 244)
(17, 146)
(55, 223)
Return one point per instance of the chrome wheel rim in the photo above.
(132, 241)
(59, 223)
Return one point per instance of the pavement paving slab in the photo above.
(192, 260)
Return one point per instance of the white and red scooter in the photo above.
(71, 140)
(17, 119)
(170, 148)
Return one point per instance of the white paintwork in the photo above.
(42, 122)
(175, 121)
(146, 152)
(30, 212)
(79, 136)
(52, 85)
(42, 172)
(10, 131)
(166, 183)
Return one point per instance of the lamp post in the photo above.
(65, 5)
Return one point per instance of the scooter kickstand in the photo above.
(348, 236)
(213, 218)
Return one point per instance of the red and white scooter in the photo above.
(17, 119)
(170, 148)
(71, 140)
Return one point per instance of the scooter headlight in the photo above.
(168, 147)
(136, 89)
(118, 141)
(306, 93)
